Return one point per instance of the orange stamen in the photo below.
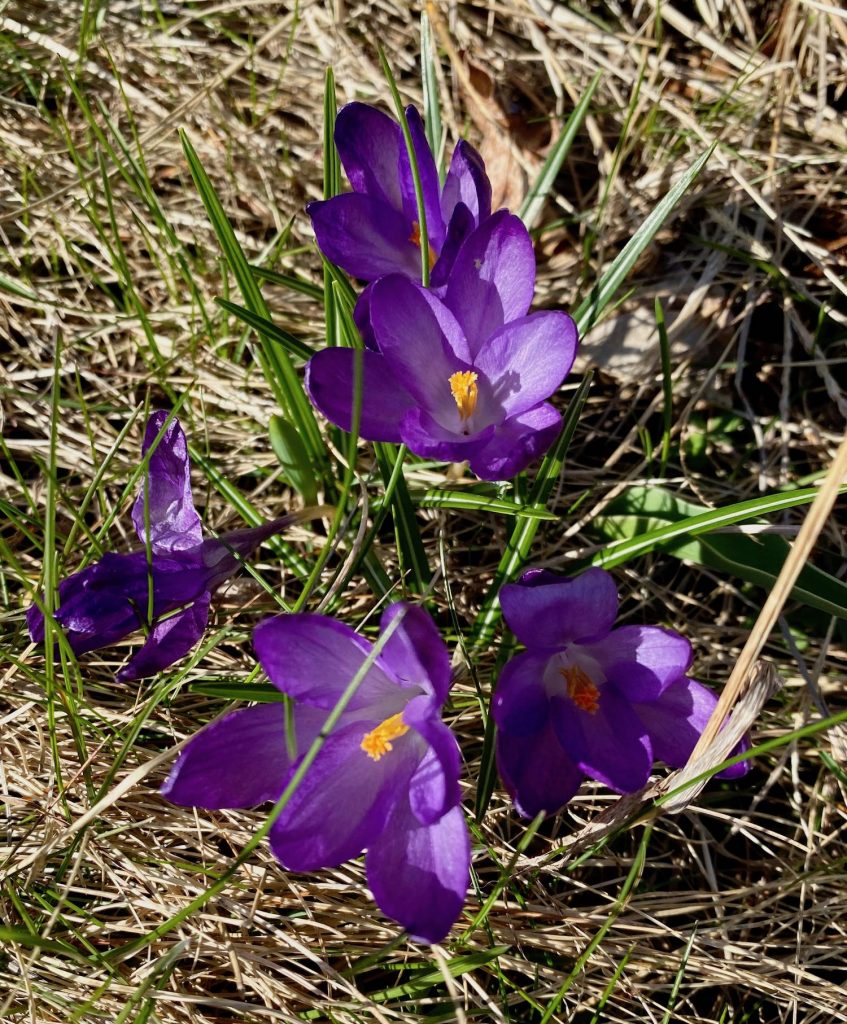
(415, 239)
(377, 742)
(465, 392)
(580, 689)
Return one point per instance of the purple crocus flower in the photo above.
(374, 230)
(385, 780)
(465, 376)
(585, 699)
(171, 590)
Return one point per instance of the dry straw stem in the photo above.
(806, 539)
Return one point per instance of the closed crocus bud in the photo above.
(289, 449)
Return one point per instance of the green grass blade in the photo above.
(652, 518)
(629, 883)
(276, 365)
(533, 204)
(651, 505)
(593, 305)
(667, 387)
(469, 502)
(268, 330)
(413, 161)
(524, 532)
(292, 281)
(332, 186)
(432, 107)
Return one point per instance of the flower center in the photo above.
(377, 742)
(415, 239)
(580, 689)
(465, 392)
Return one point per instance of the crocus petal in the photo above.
(106, 601)
(675, 721)
(223, 556)
(370, 144)
(364, 236)
(467, 183)
(527, 359)
(415, 654)
(434, 788)
(94, 616)
(426, 437)
(330, 380)
(493, 278)
(242, 759)
(314, 658)
(642, 661)
(419, 874)
(461, 224)
(428, 174)
(537, 772)
(173, 520)
(344, 800)
(551, 615)
(168, 641)
(610, 744)
(362, 317)
(421, 341)
(517, 442)
(521, 698)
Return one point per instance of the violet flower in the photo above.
(385, 780)
(374, 230)
(170, 591)
(461, 377)
(585, 699)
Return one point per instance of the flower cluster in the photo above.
(356, 757)
(457, 371)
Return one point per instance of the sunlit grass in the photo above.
(117, 242)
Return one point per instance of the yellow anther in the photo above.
(464, 389)
(377, 742)
(415, 239)
(581, 690)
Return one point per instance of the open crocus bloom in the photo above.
(374, 230)
(461, 377)
(385, 780)
(171, 589)
(585, 699)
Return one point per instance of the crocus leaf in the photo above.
(537, 193)
(261, 693)
(432, 108)
(649, 518)
(276, 365)
(288, 448)
(471, 501)
(267, 329)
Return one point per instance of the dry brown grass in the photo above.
(741, 901)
